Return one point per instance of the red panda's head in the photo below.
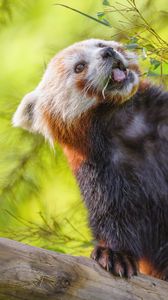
(76, 79)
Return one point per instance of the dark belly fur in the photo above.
(124, 182)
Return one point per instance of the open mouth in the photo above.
(120, 75)
(119, 72)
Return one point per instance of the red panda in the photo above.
(113, 128)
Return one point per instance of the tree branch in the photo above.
(31, 273)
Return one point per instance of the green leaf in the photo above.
(100, 15)
(133, 46)
(149, 47)
(155, 63)
(152, 74)
(106, 2)
(107, 23)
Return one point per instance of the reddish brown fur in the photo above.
(73, 137)
(75, 158)
(134, 67)
(121, 49)
(144, 84)
(147, 268)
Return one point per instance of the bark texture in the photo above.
(30, 273)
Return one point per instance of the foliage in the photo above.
(132, 20)
(145, 39)
(6, 10)
(39, 199)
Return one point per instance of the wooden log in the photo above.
(30, 273)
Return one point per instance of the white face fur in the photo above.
(76, 79)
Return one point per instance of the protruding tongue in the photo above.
(118, 75)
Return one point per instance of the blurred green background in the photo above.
(39, 199)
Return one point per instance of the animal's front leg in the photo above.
(118, 263)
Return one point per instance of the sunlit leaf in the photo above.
(106, 2)
(106, 22)
(133, 46)
(155, 63)
(100, 15)
(149, 47)
(152, 74)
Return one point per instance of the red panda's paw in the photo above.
(117, 263)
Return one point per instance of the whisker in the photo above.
(103, 91)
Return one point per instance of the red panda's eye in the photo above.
(101, 45)
(80, 67)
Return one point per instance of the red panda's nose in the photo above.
(108, 52)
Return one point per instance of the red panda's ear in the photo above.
(24, 114)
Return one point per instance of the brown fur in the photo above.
(72, 137)
(146, 267)
(75, 158)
